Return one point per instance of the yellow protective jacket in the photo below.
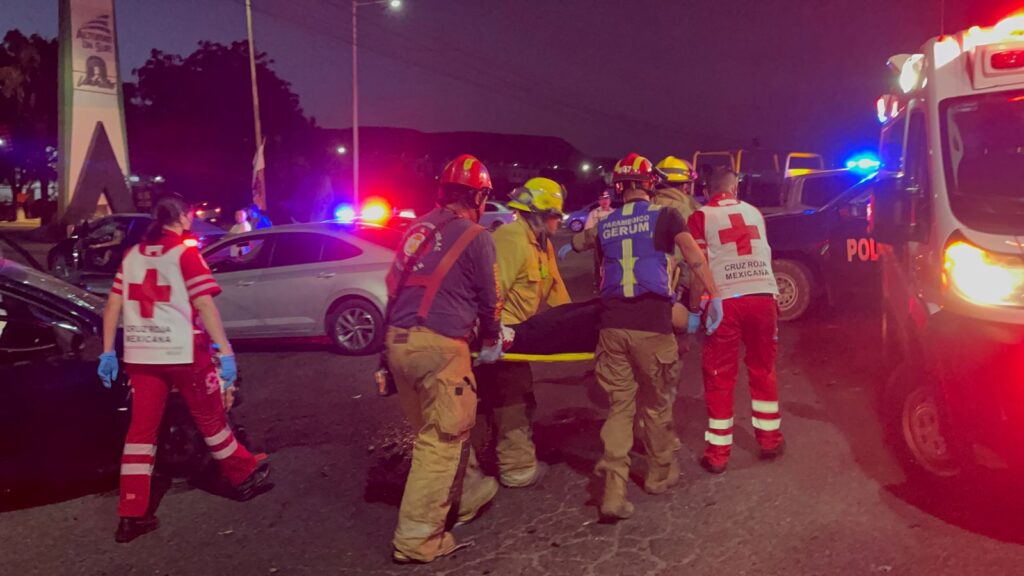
(686, 205)
(675, 198)
(527, 275)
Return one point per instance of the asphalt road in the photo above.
(836, 503)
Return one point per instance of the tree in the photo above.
(190, 120)
(28, 109)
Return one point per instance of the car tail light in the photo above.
(1008, 60)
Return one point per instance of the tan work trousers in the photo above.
(507, 403)
(638, 370)
(438, 395)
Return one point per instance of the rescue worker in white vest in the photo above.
(529, 279)
(165, 291)
(443, 284)
(732, 233)
(637, 359)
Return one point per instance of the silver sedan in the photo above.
(306, 280)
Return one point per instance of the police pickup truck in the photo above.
(821, 251)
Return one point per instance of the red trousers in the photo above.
(200, 388)
(752, 320)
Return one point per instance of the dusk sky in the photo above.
(655, 76)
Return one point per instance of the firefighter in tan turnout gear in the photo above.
(443, 283)
(529, 279)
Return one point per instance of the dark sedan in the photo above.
(90, 256)
(60, 429)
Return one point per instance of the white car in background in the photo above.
(497, 214)
(306, 280)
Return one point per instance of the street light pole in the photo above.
(394, 5)
(355, 105)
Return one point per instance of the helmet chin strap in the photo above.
(536, 222)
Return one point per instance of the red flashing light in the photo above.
(1008, 60)
(375, 210)
(1017, 99)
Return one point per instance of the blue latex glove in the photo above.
(693, 324)
(715, 315)
(489, 354)
(564, 251)
(108, 369)
(228, 371)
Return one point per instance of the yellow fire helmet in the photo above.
(675, 170)
(540, 196)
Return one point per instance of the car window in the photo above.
(248, 253)
(296, 248)
(29, 332)
(108, 231)
(819, 191)
(490, 207)
(138, 230)
(891, 147)
(336, 249)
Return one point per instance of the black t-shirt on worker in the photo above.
(649, 312)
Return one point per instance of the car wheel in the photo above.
(576, 225)
(919, 428)
(60, 268)
(794, 282)
(355, 327)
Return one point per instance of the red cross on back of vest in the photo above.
(149, 293)
(739, 233)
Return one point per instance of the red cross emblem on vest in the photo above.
(740, 233)
(149, 293)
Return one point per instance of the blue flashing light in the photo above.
(865, 163)
(345, 214)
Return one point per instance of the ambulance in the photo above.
(948, 213)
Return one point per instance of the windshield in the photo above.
(984, 160)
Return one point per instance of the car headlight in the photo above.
(984, 277)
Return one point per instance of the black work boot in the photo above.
(129, 529)
(773, 453)
(257, 483)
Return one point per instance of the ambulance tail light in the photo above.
(983, 277)
(1008, 60)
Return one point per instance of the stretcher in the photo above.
(561, 357)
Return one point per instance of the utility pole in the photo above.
(261, 195)
(355, 107)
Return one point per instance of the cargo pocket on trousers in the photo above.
(667, 355)
(455, 407)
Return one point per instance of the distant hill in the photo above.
(439, 146)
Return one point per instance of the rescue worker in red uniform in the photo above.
(165, 291)
(637, 361)
(732, 234)
(442, 285)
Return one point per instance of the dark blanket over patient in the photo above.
(567, 328)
